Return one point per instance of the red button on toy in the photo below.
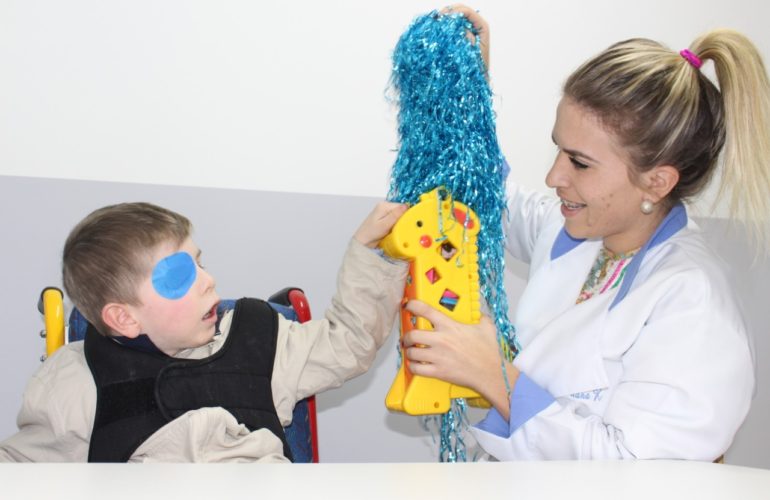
(460, 217)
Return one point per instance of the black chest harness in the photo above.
(138, 392)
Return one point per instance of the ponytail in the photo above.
(745, 92)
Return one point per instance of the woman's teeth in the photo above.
(572, 206)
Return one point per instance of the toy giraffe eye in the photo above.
(419, 223)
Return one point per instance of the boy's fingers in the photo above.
(389, 216)
(379, 222)
(393, 210)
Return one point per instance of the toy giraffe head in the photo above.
(438, 236)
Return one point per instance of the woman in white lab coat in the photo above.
(632, 343)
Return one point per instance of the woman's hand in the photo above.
(467, 355)
(479, 24)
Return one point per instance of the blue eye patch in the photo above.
(173, 276)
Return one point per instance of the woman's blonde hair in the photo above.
(665, 111)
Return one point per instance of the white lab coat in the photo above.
(666, 372)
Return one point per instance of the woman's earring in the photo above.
(646, 207)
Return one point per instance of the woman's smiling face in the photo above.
(592, 177)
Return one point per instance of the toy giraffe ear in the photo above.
(120, 320)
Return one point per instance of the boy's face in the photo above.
(178, 299)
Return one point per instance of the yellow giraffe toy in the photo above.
(438, 237)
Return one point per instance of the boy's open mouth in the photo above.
(212, 312)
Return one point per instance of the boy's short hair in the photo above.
(107, 255)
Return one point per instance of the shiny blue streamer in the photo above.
(450, 428)
(448, 138)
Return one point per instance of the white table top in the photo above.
(649, 480)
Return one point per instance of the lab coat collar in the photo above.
(675, 220)
(563, 244)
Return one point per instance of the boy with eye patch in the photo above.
(160, 377)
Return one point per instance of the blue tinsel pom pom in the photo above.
(448, 138)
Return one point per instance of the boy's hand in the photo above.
(479, 24)
(379, 223)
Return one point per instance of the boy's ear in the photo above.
(119, 319)
(660, 180)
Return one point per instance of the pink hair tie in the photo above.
(691, 58)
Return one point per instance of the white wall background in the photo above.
(280, 97)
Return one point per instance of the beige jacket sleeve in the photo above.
(322, 354)
(57, 412)
(209, 435)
